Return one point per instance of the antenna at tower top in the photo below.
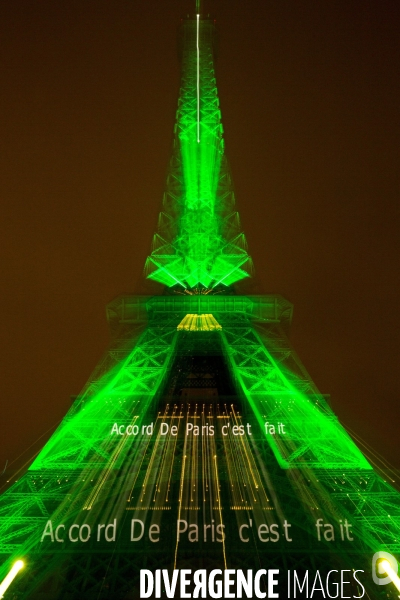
(198, 7)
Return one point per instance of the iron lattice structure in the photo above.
(199, 242)
(200, 440)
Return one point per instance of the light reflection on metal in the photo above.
(199, 323)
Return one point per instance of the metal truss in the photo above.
(280, 394)
(82, 450)
(84, 475)
(199, 240)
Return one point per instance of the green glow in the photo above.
(198, 78)
(199, 241)
(85, 475)
(315, 437)
(126, 391)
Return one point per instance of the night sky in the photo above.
(310, 103)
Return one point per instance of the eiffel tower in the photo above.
(200, 441)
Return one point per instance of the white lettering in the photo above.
(56, 533)
(215, 587)
(81, 536)
(154, 530)
(110, 537)
(138, 537)
(185, 582)
(74, 526)
(257, 591)
(272, 582)
(200, 581)
(48, 527)
(146, 583)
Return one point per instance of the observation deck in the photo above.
(125, 310)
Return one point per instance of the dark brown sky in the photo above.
(310, 102)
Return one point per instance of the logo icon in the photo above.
(384, 563)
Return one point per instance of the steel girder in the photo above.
(225, 479)
(199, 240)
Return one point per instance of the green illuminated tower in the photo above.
(200, 441)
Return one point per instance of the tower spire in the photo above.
(199, 244)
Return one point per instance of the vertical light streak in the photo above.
(180, 496)
(230, 462)
(106, 472)
(173, 453)
(154, 465)
(242, 440)
(198, 79)
(203, 458)
(138, 468)
(193, 474)
(219, 507)
(165, 458)
(236, 479)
